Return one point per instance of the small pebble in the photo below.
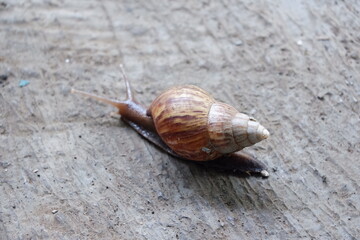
(264, 174)
(238, 42)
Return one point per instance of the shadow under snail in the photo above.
(188, 123)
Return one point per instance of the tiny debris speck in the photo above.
(24, 83)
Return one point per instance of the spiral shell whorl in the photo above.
(248, 131)
(220, 128)
(231, 131)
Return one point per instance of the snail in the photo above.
(188, 123)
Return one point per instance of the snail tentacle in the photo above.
(129, 92)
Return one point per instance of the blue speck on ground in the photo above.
(23, 83)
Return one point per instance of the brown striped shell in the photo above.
(197, 127)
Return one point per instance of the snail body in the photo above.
(189, 123)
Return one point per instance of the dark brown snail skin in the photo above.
(188, 123)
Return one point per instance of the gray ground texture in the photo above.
(68, 170)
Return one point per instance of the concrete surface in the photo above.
(70, 171)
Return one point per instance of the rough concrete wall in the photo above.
(70, 171)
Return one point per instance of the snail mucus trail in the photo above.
(188, 123)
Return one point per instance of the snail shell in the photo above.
(197, 127)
